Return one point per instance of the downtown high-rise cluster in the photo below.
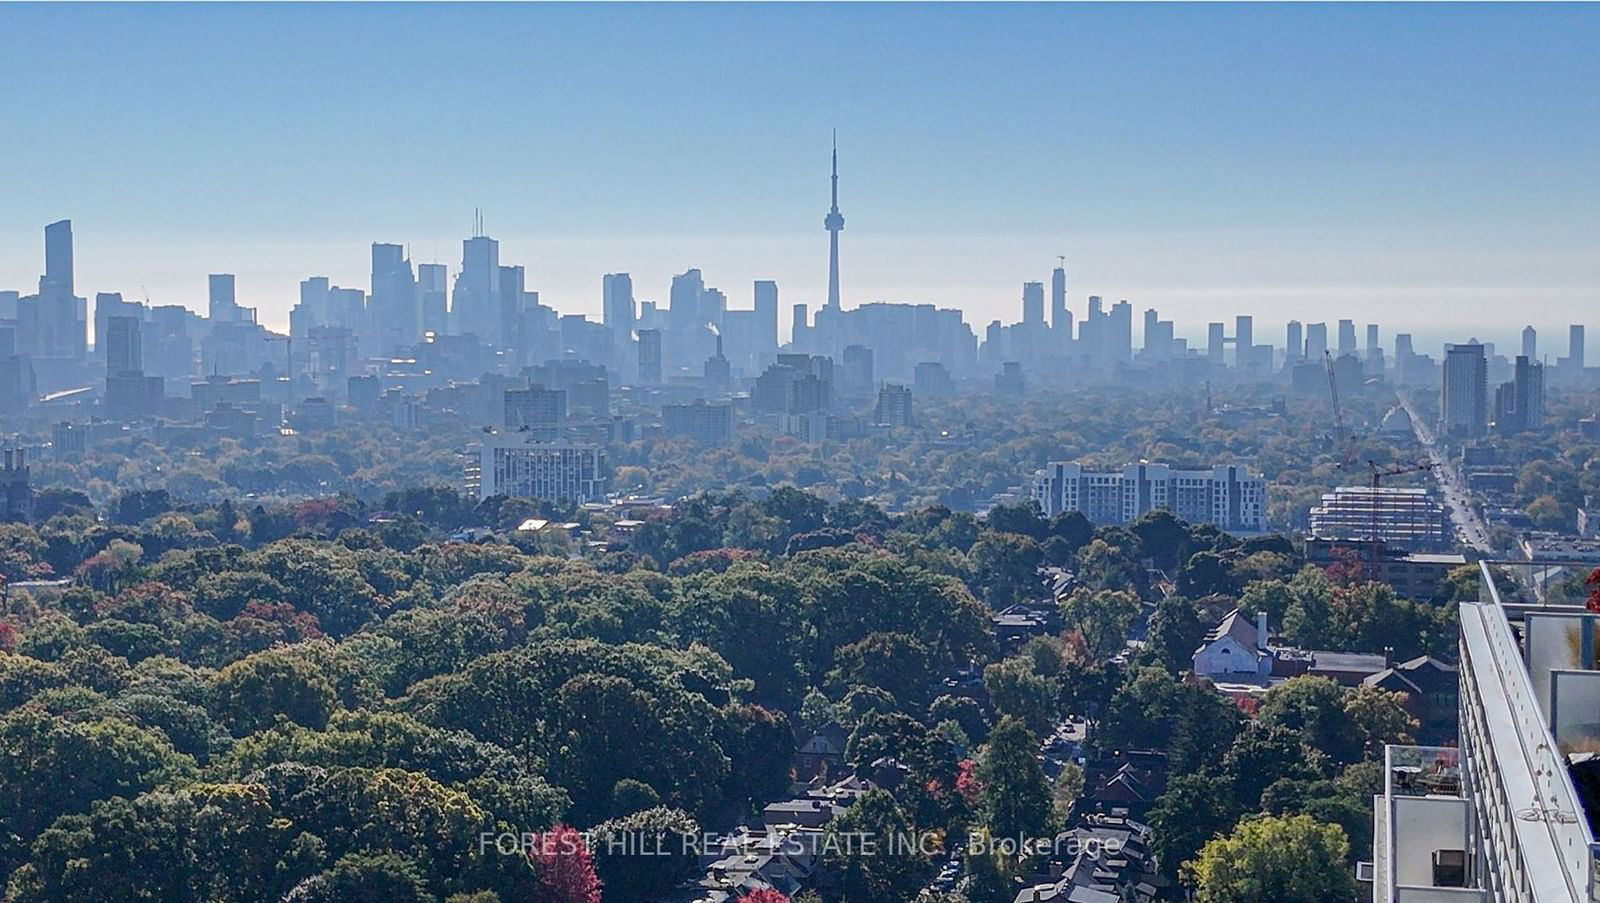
(406, 346)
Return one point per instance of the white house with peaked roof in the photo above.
(1235, 650)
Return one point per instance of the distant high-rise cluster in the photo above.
(480, 348)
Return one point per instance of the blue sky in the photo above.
(1432, 166)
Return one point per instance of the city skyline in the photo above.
(1503, 335)
(1154, 194)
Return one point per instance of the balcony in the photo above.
(1422, 829)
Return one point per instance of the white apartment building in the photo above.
(1507, 814)
(521, 466)
(1227, 496)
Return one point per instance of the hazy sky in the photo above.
(1429, 166)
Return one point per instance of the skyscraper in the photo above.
(58, 259)
(1033, 303)
(508, 306)
(474, 308)
(1519, 404)
(433, 287)
(1119, 345)
(123, 352)
(396, 310)
(616, 291)
(1530, 343)
(54, 322)
(1575, 347)
(1293, 342)
(1316, 341)
(1060, 317)
(650, 357)
(683, 303)
(834, 223)
(766, 316)
(1347, 337)
(1215, 339)
(221, 306)
(1464, 403)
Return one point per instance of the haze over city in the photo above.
(799, 453)
(1390, 163)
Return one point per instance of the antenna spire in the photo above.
(834, 223)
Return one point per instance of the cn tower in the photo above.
(834, 223)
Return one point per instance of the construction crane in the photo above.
(1341, 433)
(1378, 475)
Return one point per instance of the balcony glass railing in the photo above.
(1553, 807)
(1423, 771)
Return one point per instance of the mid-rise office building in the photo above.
(1227, 495)
(536, 410)
(708, 423)
(932, 379)
(650, 357)
(856, 372)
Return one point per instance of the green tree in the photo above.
(1022, 518)
(1377, 718)
(1294, 859)
(252, 693)
(1164, 537)
(894, 662)
(1015, 797)
(645, 854)
(1194, 808)
(363, 878)
(870, 851)
(1102, 617)
(51, 767)
(1006, 566)
(1207, 573)
(1265, 753)
(1175, 633)
(1016, 689)
(1313, 707)
(1107, 565)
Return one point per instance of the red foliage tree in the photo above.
(967, 783)
(765, 895)
(1593, 583)
(563, 867)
